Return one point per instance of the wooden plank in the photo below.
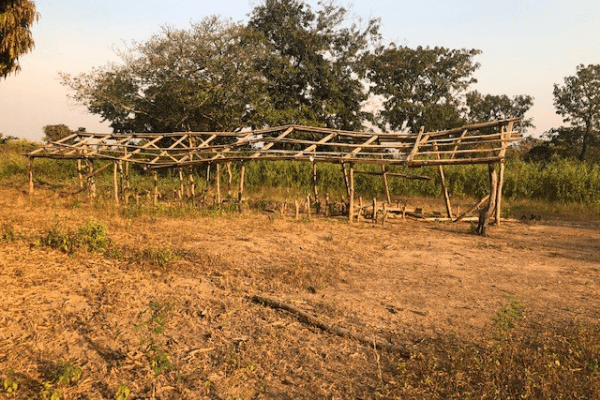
(470, 210)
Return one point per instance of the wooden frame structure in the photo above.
(484, 143)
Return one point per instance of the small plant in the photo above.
(506, 318)
(57, 239)
(9, 234)
(153, 329)
(93, 235)
(122, 392)
(10, 385)
(67, 374)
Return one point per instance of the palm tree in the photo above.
(16, 18)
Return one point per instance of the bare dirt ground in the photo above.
(174, 320)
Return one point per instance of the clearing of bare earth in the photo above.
(95, 303)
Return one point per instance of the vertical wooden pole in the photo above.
(229, 178)
(486, 213)
(297, 217)
(192, 183)
(443, 181)
(374, 210)
(308, 206)
(218, 179)
(79, 174)
(121, 179)
(155, 180)
(345, 175)
(91, 182)
(505, 136)
(241, 190)
(116, 181)
(350, 193)
(30, 175)
(359, 214)
(181, 188)
(385, 184)
(499, 193)
(315, 187)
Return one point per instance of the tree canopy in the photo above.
(289, 64)
(578, 102)
(179, 80)
(16, 19)
(422, 86)
(482, 108)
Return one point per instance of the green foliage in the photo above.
(311, 63)
(91, 236)
(422, 86)
(67, 374)
(508, 315)
(122, 392)
(152, 331)
(496, 107)
(578, 102)
(9, 233)
(199, 79)
(53, 133)
(16, 19)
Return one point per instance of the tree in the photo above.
(199, 79)
(52, 133)
(16, 18)
(312, 63)
(422, 86)
(578, 102)
(494, 107)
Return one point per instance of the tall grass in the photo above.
(561, 180)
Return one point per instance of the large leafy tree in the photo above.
(16, 18)
(578, 102)
(53, 133)
(421, 87)
(195, 79)
(312, 62)
(483, 108)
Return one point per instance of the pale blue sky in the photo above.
(527, 46)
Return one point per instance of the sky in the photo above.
(528, 46)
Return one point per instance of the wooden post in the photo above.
(345, 175)
(218, 179)
(229, 178)
(181, 192)
(359, 215)
(91, 182)
(374, 210)
(505, 135)
(192, 183)
(121, 179)
(297, 209)
(155, 180)
(30, 175)
(116, 182)
(315, 187)
(79, 173)
(350, 193)
(443, 181)
(499, 193)
(308, 206)
(486, 213)
(385, 184)
(241, 190)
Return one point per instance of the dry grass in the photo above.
(161, 311)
